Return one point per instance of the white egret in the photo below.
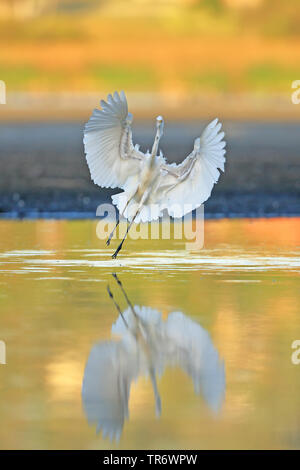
(147, 346)
(150, 184)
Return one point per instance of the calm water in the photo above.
(198, 355)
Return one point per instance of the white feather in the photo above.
(114, 161)
(106, 387)
(180, 194)
(110, 162)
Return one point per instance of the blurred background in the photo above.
(190, 60)
(176, 48)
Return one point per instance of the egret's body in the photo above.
(150, 185)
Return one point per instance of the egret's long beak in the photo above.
(158, 136)
(160, 126)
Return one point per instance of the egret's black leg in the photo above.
(118, 249)
(124, 238)
(127, 203)
(111, 235)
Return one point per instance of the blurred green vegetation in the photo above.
(210, 80)
(24, 76)
(137, 78)
(264, 76)
(19, 75)
(198, 45)
(261, 77)
(69, 20)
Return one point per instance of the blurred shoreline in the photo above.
(44, 171)
(81, 206)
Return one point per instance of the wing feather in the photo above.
(186, 186)
(110, 153)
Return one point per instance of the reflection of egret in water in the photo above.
(147, 346)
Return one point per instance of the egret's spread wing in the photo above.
(186, 186)
(110, 153)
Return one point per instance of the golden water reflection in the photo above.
(242, 288)
(146, 347)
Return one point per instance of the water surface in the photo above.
(198, 355)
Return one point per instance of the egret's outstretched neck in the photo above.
(158, 136)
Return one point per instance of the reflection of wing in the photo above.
(146, 316)
(147, 345)
(110, 154)
(188, 185)
(146, 322)
(191, 348)
(106, 385)
(178, 341)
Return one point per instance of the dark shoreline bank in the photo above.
(70, 205)
(44, 172)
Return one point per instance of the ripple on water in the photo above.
(171, 260)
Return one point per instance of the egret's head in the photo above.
(197, 145)
(129, 119)
(160, 124)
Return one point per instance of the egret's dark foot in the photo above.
(107, 242)
(117, 251)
